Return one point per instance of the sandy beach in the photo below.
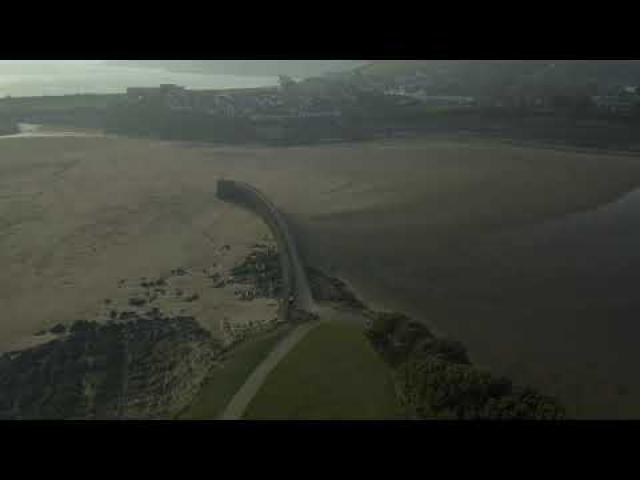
(85, 221)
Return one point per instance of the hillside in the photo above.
(489, 76)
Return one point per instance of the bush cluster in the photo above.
(435, 378)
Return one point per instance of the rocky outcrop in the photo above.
(261, 271)
(329, 289)
(148, 367)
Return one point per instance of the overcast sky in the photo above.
(50, 61)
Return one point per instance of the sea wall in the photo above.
(295, 284)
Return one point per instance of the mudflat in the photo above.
(392, 218)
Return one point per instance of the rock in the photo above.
(127, 315)
(82, 326)
(58, 329)
(137, 302)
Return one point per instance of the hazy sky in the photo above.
(26, 78)
(62, 77)
(50, 61)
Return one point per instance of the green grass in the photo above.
(332, 374)
(224, 382)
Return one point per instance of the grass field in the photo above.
(333, 374)
(224, 382)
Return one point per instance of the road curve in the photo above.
(295, 284)
(238, 405)
(295, 281)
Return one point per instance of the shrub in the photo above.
(444, 348)
(435, 387)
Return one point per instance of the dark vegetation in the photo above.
(262, 271)
(149, 367)
(156, 121)
(435, 378)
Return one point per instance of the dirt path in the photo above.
(240, 401)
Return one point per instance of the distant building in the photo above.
(446, 99)
(422, 96)
(619, 104)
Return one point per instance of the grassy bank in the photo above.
(333, 374)
(225, 380)
(56, 103)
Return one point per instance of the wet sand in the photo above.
(79, 215)
(395, 219)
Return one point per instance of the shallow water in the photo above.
(562, 298)
(31, 130)
(553, 304)
(574, 282)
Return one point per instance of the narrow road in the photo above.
(296, 284)
(240, 401)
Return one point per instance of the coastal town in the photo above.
(331, 97)
(357, 104)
